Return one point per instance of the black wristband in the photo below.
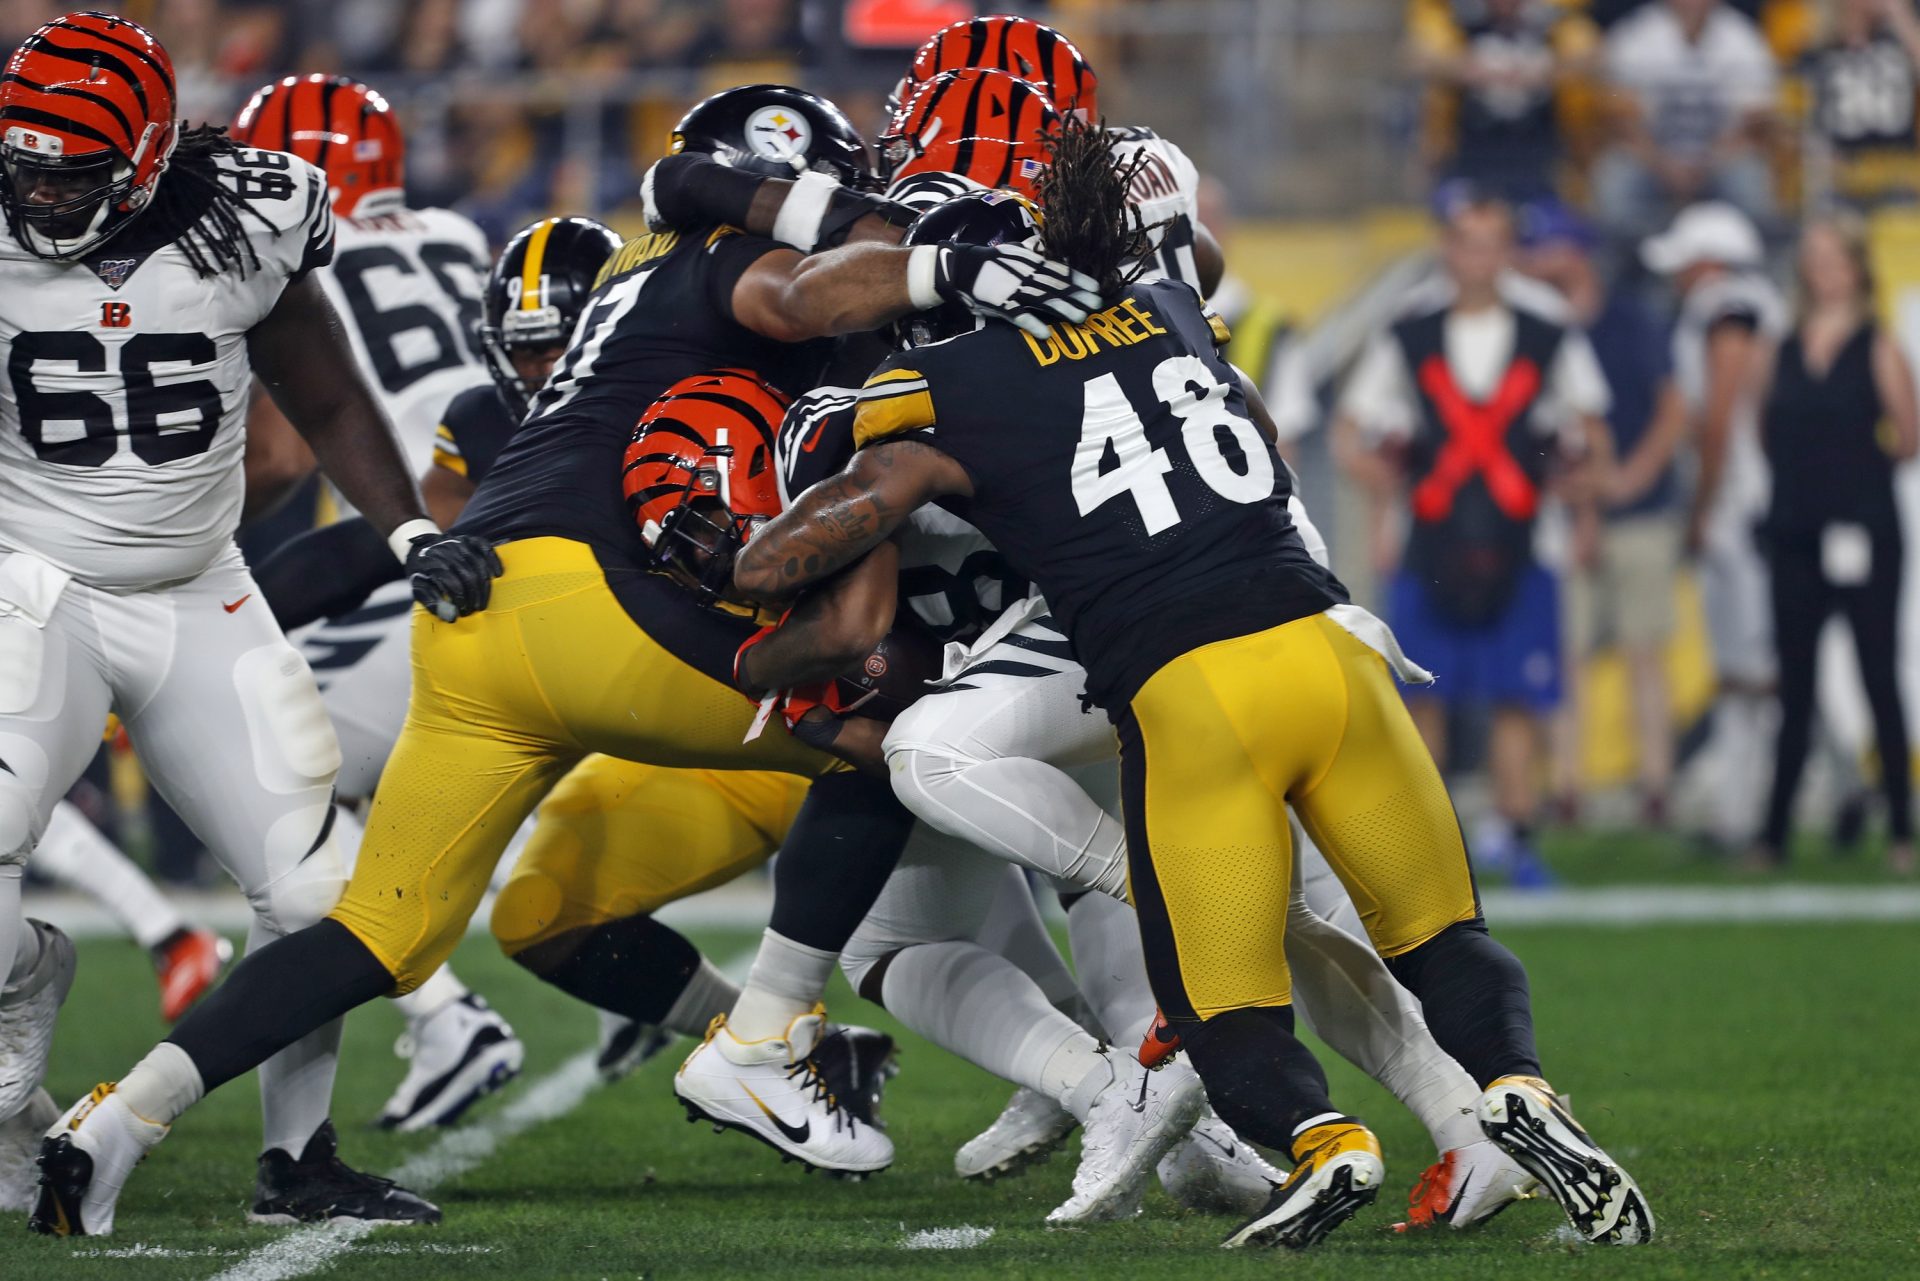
(846, 207)
(692, 190)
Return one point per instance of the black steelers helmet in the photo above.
(535, 295)
(977, 218)
(776, 131)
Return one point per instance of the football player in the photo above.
(149, 270)
(407, 283)
(505, 707)
(983, 758)
(1204, 623)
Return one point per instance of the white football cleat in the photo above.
(1466, 1187)
(1215, 1171)
(1028, 1131)
(28, 1009)
(84, 1160)
(1135, 1118)
(771, 1089)
(456, 1055)
(1523, 1115)
(19, 1146)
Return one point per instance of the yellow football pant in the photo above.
(505, 702)
(616, 838)
(1214, 747)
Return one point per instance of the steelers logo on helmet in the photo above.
(778, 133)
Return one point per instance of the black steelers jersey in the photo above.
(661, 311)
(475, 426)
(953, 580)
(1114, 463)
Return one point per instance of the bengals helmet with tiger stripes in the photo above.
(981, 124)
(341, 126)
(86, 129)
(699, 474)
(1018, 46)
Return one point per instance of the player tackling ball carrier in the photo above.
(1150, 511)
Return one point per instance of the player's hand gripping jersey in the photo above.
(1114, 463)
(123, 409)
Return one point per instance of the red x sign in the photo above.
(1477, 442)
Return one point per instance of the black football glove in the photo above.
(1014, 283)
(452, 574)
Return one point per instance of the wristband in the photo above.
(922, 269)
(401, 539)
(798, 222)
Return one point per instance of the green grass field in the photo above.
(1758, 1081)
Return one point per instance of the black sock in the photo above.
(844, 843)
(277, 995)
(1474, 994)
(635, 966)
(1259, 1077)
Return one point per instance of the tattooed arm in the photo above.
(844, 517)
(831, 629)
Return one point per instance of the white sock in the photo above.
(1070, 1065)
(983, 1007)
(296, 1085)
(1343, 992)
(787, 980)
(441, 989)
(708, 992)
(163, 1085)
(1095, 1077)
(1105, 935)
(16, 937)
(79, 856)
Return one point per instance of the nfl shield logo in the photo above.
(116, 270)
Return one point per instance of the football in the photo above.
(894, 676)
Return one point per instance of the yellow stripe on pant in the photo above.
(505, 702)
(616, 838)
(1214, 747)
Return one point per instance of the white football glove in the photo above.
(1002, 282)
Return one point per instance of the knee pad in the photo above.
(293, 742)
(529, 909)
(305, 893)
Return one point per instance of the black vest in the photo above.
(1476, 468)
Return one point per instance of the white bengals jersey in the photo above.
(1166, 190)
(123, 410)
(409, 283)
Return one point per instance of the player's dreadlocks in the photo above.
(196, 209)
(1090, 224)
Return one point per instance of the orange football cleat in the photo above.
(188, 963)
(1160, 1043)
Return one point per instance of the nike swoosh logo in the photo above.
(1224, 1149)
(237, 604)
(797, 1133)
(1458, 1197)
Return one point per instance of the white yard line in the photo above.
(307, 1250)
(745, 904)
(964, 1237)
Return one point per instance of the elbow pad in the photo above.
(818, 213)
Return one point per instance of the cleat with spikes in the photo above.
(1337, 1172)
(1526, 1118)
(1160, 1043)
(1028, 1131)
(187, 963)
(318, 1187)
(1465, 1188)
(773, 1090)
(1133, 1118)
(84, 1161)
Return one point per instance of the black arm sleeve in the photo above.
(324, 572)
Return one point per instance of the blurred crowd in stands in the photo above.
(1647, 204)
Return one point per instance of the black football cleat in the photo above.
(321, 1188)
